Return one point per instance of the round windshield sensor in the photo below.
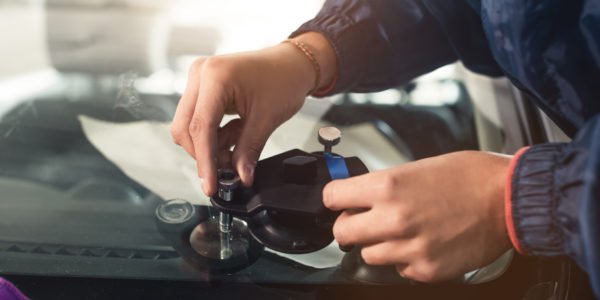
(175, 211)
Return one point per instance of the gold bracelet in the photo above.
(300, 45)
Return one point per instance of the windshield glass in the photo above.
(87, 92)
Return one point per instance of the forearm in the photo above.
(379, 44)
(291, 59)
(383, 43)
(324, 54)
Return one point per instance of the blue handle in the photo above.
(337, 166)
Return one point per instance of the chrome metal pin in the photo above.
(226, 250)
(225, 222)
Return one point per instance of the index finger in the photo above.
(351, 193)
(208, 113)
(185, 112)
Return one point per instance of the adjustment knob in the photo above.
(300, 169)
(228, 182)
(329, 137)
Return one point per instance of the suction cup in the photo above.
(357, 269)
(291, 233)
(224, 252)
(194, 232)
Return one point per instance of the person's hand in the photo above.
(434, 219)
(265, 88)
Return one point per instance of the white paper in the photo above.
(145, 152)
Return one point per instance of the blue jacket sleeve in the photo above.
(555, 187)
(556, 200)
(382, 43)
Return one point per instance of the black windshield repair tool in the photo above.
(283, 210)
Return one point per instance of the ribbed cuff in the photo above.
(508, 210)
(341, 31)
(532, 201)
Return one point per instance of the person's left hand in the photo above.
(434, 219)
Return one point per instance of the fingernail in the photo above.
(249, 170)
(203, 185)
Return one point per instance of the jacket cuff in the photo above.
(508, 209)
(341, 32)
(532, 201)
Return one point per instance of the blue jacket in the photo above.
(549, 49)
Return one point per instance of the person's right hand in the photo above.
(265, 88)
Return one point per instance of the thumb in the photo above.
(248, 148)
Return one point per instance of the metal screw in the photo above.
(329, 137)
(228, 182)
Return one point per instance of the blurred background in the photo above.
(155, 39)
(127, 60)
